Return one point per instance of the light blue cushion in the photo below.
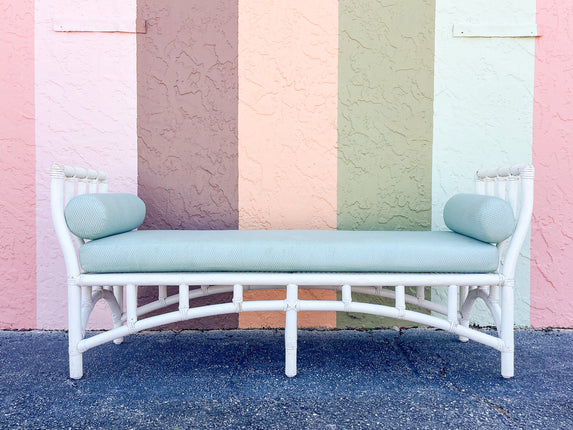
(485, 218)
(93, 216)
(288, 251)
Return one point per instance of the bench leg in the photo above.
(75, 332)
(118, 293)
(507, 315)
(464, 322)
(291, 328)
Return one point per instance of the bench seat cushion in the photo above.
(287, 251)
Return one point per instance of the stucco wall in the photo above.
(552, 230)
(187, 113)
(17, 172)
(187, 122)
(386, 81)
(287, 125)
(287, 113)
(85, 115)
(72, 97)
(483, 99)
(385, 117)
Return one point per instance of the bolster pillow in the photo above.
(485, 218)
(93, 216)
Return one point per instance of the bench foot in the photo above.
(290, 362)
(76, 366)
(507, 370)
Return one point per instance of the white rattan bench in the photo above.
(107, 258)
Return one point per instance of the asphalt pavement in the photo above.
(348, 379)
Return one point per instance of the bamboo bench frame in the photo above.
(119, 290)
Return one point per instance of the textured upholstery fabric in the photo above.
(485, 218)
(93, 216)
(288, 251)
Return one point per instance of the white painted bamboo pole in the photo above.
(462, 299)
(346, 296)
(479, 185)
(513, 194)
(490, 186)
(86, 293)
(453, 304)
(131, 305)
(118, 294)
(70, 189)
(75, 332)
(291, 330)
(238, 297)
(507, 336)
(300, 279)
(400, 301)
(57, 197)
(162, 293)
(501, 187)
(92, 185)
(494, 293)
(527, 175)
(183, 301)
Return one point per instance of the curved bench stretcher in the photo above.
(376, 263)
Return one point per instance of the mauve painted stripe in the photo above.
(187, 120)
(551, 250)
(288, 53)
(17, 175)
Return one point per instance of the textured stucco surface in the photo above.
(86, 105)
(84, 112)
(287, 114)
(187, 113)
(187, 121)
(287, 121)
(385, 103)
(482, 110)
(385, 114)
(17, 173)
(552, 229)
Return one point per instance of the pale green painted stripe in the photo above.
(385, 116)
(386, 68)
(483, 113)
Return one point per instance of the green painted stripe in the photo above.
(386, 74)
(385, 119)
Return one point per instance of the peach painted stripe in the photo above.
(551, 235)
(17, 172)
(288, 54)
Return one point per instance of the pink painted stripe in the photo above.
(552, 230)
(17, 206)
(86, 109)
